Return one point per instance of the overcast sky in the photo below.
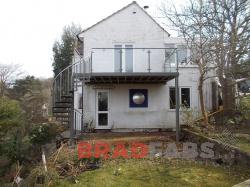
(30, 27)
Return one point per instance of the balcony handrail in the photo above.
(69, 66)
(64, 80)
(149, 50)
(135, 48)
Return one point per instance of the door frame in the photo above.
(102, 112)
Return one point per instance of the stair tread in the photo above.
(59, 102)
(67, 96)
(64, 121)
(61, 111)
(61, 107)
(61, 116)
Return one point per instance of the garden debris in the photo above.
(66, 163)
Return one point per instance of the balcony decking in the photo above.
(127, 78)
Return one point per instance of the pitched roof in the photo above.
(133, 2)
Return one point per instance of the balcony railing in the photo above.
(133, 60)
(129, 60)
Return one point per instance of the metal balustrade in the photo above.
(106, 60)
(64, 85)
(133, 60)
(78, 121)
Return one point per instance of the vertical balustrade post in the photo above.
(60, 85)
(84, 65)
(91, 61)
(53, 93)
(121, 60)
(68, 88)
(149, 65)
(56, 90)
(80, 63)
(176, 60)
(63, 83)
(69, 78)
(72, 109)
(165, 60)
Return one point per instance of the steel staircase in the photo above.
(65, 84)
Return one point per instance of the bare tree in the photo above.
(229, 28)
(191, 25)
(216, 31)
(8, 73)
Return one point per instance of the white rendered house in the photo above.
(124, 75)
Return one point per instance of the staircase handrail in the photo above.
(62, 83)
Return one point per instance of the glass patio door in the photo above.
(129, 58)
(102, 107)
(123, 58)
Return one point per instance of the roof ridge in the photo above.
(133, 2)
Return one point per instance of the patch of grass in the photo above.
(148, 173)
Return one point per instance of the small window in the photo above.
(172, 98)
(185, 97)
(138, 98)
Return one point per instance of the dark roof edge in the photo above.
(134, 2)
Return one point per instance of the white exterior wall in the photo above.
(137, 29)
(125, 28)
(158, 113)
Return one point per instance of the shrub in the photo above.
(15, 147)
(38, 175)
(189, 115)
(43, 133)
(11, 114)
(244, 107)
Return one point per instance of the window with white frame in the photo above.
(184, 97)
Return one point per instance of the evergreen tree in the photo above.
(63, 50)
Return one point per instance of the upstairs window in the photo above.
(181, 54)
